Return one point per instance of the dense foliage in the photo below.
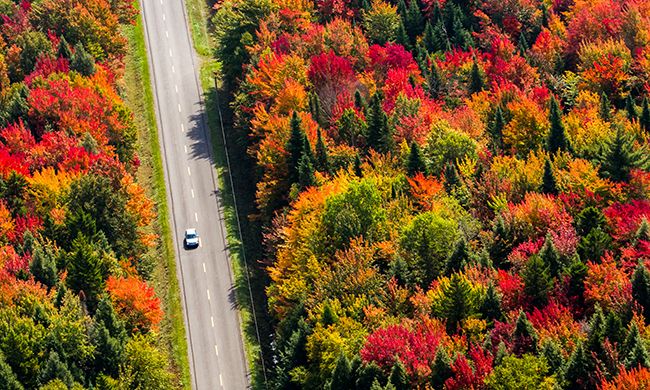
(75, 307)
(456, 192)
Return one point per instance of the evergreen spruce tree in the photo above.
(491, 306)
(634, 352)
(551, 257)
(368, 375)
(452, 181)
(55, 369)
(87, 270)
(458, 258)
(398, 376)
(341, 376)
(401, 36)
(553, 355)
(322, 156)
(596, 334)
(8, 379)
(429, 38)
(422, 59)
(476, 78)
(441, 369)
(577, 273)
(315, 108)
(549, 184)
(441, 39)
(537, 281)
(522, 45)
(641, 288)
(415, 162)
(557, 138)
(43, 266)
(579, 369)
(434, 80)
(295, 147)
(380, 138)
(457, 303)
(524, 337)
(644, 120)
(643, 232)
(357, 166)
(630, 108)
(359, 101)
(501, 353)
(496, 130)
(329, 317)
(376, 385)
(593, 245)
(590, 218)
(63, 51)
(632, 338)
(620, 158)
(414, 21)
(614, 330)
(401, 9)
(81, 61)
(502, 243)
(605, 108)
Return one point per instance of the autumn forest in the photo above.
(454, 194)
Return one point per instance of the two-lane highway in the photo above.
(216, 353)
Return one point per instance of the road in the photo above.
(215, 346)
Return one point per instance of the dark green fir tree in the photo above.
(557, 138)
(549, 184)
(415, 163)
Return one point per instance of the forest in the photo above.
(455, 194)
(76, 306)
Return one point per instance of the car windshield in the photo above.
(190, 235)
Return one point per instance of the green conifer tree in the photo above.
(295, 147)
(441, 369)
(630, 108)
(552, 352)
(81, 61)
(458, 258)
(8, 379)
(63, 51)
(322, 156)
(414, 21)
(398, 376)
(401, 36)
(644, 120)
(496, 130)
(549, 184)
(605, 108)
(551, 257)
(491, 306)
(43, 265)
(557, 138)
(620, 157)
(434, 80)
(579, 369)
(357, 166)
(476, 78)
(524, 337)
(537, 281)
(457, 303)
(415, 162)
(342, 374)
(380, 138)
(641, 288)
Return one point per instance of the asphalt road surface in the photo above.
(216, 353)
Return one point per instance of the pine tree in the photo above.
(415, 162)
(81, 61)
(644, 120)
(579, 369)
(87, 270)
(630, 108)
(590, 218)
(577, 273)
(491, 306)
(457, 303)
(549, 184)
(368, 374)
(414, 21)
(551, 257)
(56, 369)
(401, 9)
(620, 158)
(458, 258)
(477, 79)
(441, 369)
(315, 108)
(380, 138)
(401, 36)
(500, 354)
(605, 108)
(43, 266)
(596, 334)
(398, 376)
(634, 352)
(322, 156)
(441, 39)
(63, 51)
(593, 245)
(641, 288)
(553, 355)
(502, 243)
(643, 232)
(341, 376)
(522, 45)
(429, 38)
(434, 80)
(452, 181)
(537, 281)
(557, 138)
(357, 166)
(359, 101)
(614, 330)
(496, 130)
(376, 385)
(295, 147)
(422, 59)
(8, 379)
(524, 337)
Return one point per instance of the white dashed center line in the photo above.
(173, 70)
(216, 350)
(189, 172)
(204, 268)
(179, 107)
(212, 321)
(196, 217)
(192, 190)
(185, 147)
(208, 294)
(182, 127)
(164, 17)
(167, 33)
(170, 53)
(176, 88)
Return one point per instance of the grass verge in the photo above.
(139, 97)
(245, 250)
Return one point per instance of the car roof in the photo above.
(190, 231)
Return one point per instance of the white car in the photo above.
(192, 239)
